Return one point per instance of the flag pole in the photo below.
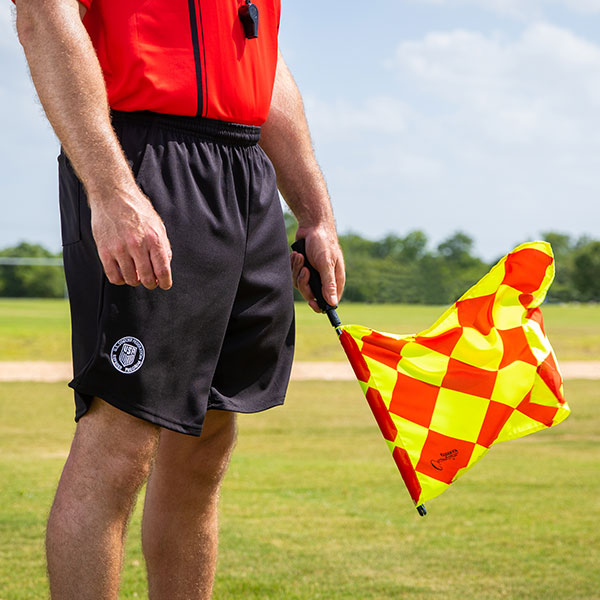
(316, 288)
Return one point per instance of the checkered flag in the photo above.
(483, 373)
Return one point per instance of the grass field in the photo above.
(34, 329)
(39, 329)
(313, 507)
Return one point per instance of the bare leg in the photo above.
(179, 528)
(109, 460)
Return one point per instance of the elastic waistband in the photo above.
(208, 129)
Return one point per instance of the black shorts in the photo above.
(222, 337)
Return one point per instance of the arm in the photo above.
(286, 140)
(130, 236)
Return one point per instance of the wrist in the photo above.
(103, 170)
(306, 227)
(311, 209)
(115, 201)
(100, 190)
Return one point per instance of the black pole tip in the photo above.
(421, 510)
(333, 318)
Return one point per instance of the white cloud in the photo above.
(493, 135)
(544, 86)
(582, 6)
(521, 9)
(513, 8)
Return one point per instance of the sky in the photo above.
(441, 115)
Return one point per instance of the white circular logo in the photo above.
(127, 355)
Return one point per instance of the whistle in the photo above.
(248, 14)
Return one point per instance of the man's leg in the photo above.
(109, 460)
(179, 530)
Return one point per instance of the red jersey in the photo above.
(186, 57)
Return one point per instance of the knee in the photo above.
(210, 459)
(200, 461)
(125, 468)
(219, 433)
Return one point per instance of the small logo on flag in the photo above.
(127, 355)
(450, 455)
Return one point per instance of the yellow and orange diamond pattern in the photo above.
(483, 373)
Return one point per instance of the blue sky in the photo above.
(439, 115)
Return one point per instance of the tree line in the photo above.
(406, 269)
(27, 280)
(392, 269)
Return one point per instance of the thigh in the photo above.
(185, 459)
(111, 449)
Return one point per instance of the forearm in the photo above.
(68, 79)
(130, 236)
(286, 140)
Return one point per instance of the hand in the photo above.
(325, 255)
(131, 240)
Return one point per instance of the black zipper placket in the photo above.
(197, 38)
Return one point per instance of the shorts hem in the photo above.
(257, 407)
(139, 412)
(160, 421)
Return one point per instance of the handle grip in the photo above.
(314, 279)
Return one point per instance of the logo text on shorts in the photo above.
(127, 355)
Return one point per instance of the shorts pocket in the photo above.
(70, 192)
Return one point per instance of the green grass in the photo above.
(573, 329)
(313, 507)
(39, 329)
(34, 329)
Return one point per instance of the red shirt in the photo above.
(186, 57)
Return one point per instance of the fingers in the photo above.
(331, 272)
(113, 273)
(152, 261)
(300, 277)
(297, 262)
(134, 249)
(304, 288)
(340, 276)
(128, 269)
(327, 258)
(328, 285)
(150, 268)
(161, 266)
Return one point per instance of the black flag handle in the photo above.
(315, 283)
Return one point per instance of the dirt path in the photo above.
(338, 371)
(302, 371)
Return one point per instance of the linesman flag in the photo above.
(483, 373)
